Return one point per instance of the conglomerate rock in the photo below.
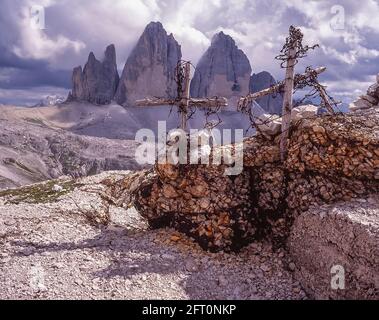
(331, 158)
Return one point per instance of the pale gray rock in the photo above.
(304, 112)
(272, 104)
(50, 101)
(340, 239)
(367, 101)
(98, 81)
(150, 69)
(224, 70)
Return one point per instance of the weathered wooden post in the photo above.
(287, 100)
(325, 98)
(184, 104)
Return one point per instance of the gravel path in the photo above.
(52, 251)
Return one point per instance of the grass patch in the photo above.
(39, 193)
(35, 121)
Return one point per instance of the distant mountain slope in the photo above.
(80, 138)
(32, 152)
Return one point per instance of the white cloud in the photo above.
(34, 43)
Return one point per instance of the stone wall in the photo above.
(331, 158)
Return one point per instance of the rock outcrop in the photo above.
(338, 241)
(369, 100)
(98, 81)
(272, 104)
(224, 70)
(150, 69)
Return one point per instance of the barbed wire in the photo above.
(180, 77)
(294, 42)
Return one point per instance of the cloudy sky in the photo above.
(38, 62)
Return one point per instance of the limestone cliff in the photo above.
(224, 70)
(98, 81)
(150, 68)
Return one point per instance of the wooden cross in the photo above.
(292, 50)
(184, 101)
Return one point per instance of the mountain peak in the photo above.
(150, 68)
(224, 70)
(91, 57)
(97, 82)
(154, 25)
(110, 53)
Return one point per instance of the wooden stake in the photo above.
(186, 97)
(325, 98)
(184, 101)
(287, 102)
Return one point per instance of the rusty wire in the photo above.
(294, 41)
(301, 81)
(193, 107)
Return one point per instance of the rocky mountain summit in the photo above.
(272, 104)
(224, 70)
(98, 81)
(150, 68)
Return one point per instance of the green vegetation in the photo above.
(39, 193)
(35, 121)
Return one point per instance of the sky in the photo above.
(37, 56)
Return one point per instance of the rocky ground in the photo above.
(53, 246)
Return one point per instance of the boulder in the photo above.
(338, 240)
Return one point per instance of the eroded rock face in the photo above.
(98, 81)
(272, 104)
(150, 69)
(224, 70)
